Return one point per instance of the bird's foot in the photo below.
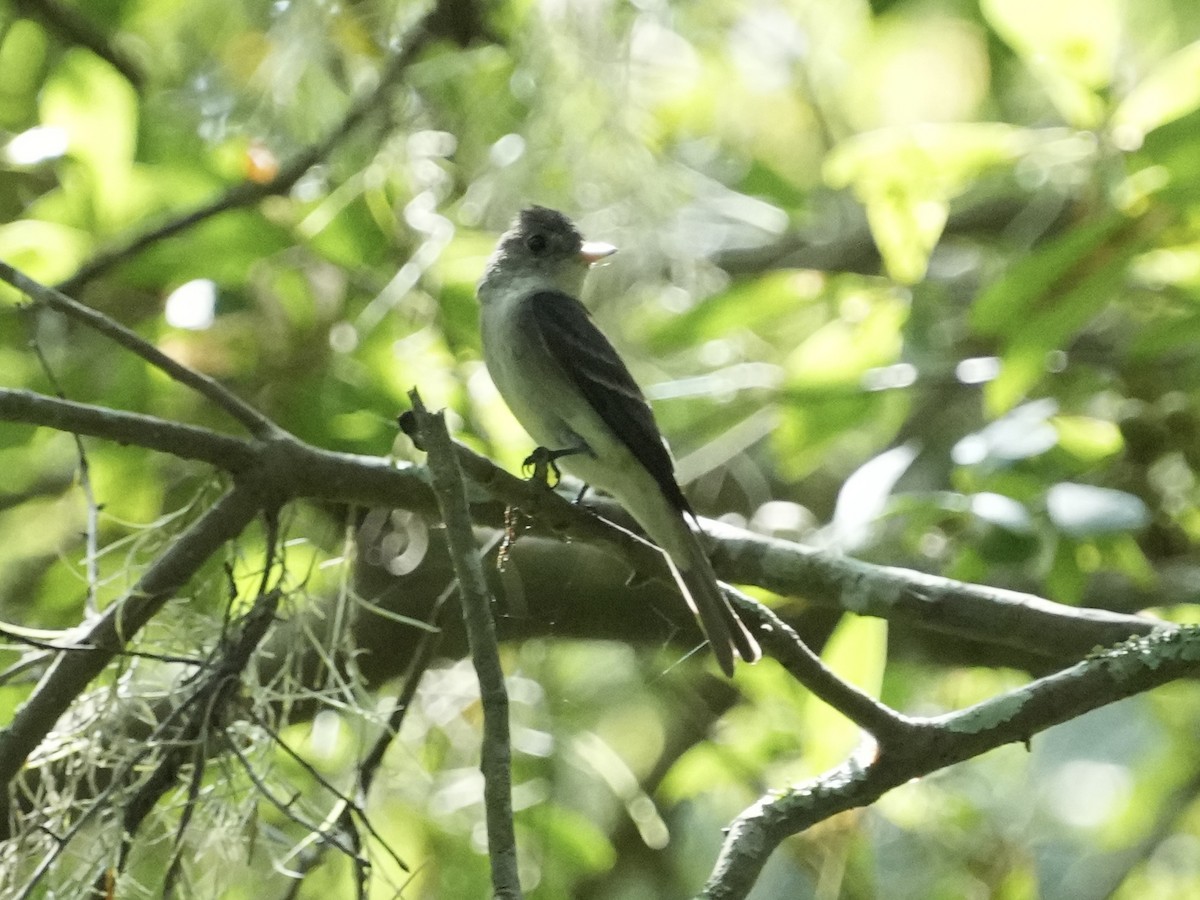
(543, 461)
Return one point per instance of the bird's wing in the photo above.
(566, 329)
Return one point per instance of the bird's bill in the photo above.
(593, 251)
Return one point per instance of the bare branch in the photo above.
(854, 249)
(184, 441)
(1135, 666)
(496, 763)
(458, 20)
(71, 671)
(212, 390)
(70, 24)
(341, 817)
(1000, 617)
(1008, 618)
(786, 647)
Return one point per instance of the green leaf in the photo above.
(223, 249)
(44, 250)
(571, 839)
(906, 177)
(1047, 296)
(1171, 150)
(1014, 298)
(857, 653)
(1069, 45)
(98, 110)
(813, 425)
(1169, 92)
(756, 304)
(843, 350)
(23, 48)
(1088, 438)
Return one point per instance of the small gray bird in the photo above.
(570, 390)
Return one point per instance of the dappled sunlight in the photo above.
(913, 293)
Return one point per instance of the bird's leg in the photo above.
(543, 461)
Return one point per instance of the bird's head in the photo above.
(543, 247)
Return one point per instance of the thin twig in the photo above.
(285, 806)
(785, 646)
(200, 755)
(341, 815)
(74, 26)
(352, 807)
(91, 558)
(419, 663)
(457, 20)
(213, 693)
(211, 389)
(496, 763)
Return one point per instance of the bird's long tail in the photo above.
(725, 630)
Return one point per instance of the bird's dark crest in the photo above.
(549, 219)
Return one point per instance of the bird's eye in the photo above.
(537, 243)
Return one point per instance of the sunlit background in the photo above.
(917, 281)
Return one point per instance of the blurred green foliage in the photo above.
(846, 228)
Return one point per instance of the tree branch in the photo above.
(71, 671)
(184, 441)
(457, 20)
(854, 249)
(284, 467)
(1012, 619)
(1017, 620)
(496, 763)
(786, 648)
(71, 25)
(209, 388)
(999, 616)
(281, 466)
(1135, 666)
